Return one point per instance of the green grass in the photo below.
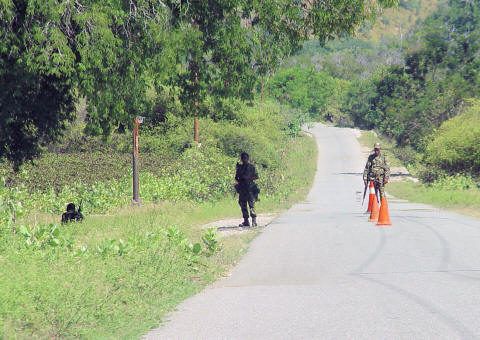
(368, 139)
(54, 292)
(462, 201)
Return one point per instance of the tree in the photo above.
(217, 57)
(52, 53)
(37, 64)
(273, 29)
(112, 51)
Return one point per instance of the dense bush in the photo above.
(455, 146)
(311, 91)
(456, 182)
(171, 166)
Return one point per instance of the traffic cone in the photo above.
(384, 217)
(371, 197)
(374, 213)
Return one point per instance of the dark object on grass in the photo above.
(72, 214)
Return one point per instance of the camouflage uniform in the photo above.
(246, 189)
(377, 170)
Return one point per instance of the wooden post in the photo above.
(135, 199)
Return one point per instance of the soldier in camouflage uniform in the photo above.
(247, 189)
(377, 170)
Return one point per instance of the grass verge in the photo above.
(115, 276)
(368, 138)
(462, 201)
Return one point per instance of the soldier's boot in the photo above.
(254, 221)
(245, 223)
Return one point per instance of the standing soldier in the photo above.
(377, 170)
(247, 189)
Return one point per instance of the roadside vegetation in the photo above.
(73, 77)
(412, 80)
(118, 272)
(369, 137)
(457, 198)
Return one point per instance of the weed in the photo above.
(111, 246)
(456, 182)
(42, 236)
(210, 241)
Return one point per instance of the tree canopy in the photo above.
(115, 53)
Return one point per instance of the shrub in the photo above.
(455, 146)
(457, 182)
(405, 154)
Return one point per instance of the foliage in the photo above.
(122, 58)
(456, 182)
(202, 173)
(410, 101)
(11, 206)
(430, 83)
(397, 23)
(308, 90)
(112, 246)
(210, 241)
(122, 291)
(348, 58)
(455, 146)
(52, 54)
(44, 235)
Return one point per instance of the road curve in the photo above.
(321, 271)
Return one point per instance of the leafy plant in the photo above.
(210, 241)
(112, 246)
(456, 182)
(44, 235)
(10, 206)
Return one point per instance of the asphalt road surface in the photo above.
(322, 271)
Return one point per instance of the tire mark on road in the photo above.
(443, 316)
(447, 319)
(443, 267)
(444, 243)
(374, 255)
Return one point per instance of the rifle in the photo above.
(364, 192)
(80, 206)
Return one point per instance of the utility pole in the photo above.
(136, 122)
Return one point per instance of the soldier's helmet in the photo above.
(376, 146)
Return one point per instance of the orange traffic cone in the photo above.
(374, 213)
(384, 217)
(371, 197)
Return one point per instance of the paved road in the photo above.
(321, 271)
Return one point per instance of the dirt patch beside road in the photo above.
(229, 226)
